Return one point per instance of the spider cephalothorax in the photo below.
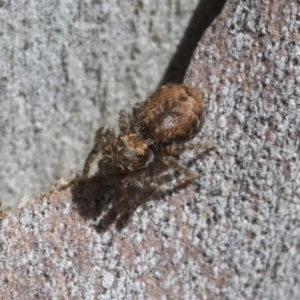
(155, 133)
(127, 153)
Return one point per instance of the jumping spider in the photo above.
(155, 133)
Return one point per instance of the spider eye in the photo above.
(139, 155)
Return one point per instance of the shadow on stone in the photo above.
(102, 197)
(205, 13)
(93, 198)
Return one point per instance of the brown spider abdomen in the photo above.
(172, 114)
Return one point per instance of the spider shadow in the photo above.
(95, 197)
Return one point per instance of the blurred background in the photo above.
(68, 67)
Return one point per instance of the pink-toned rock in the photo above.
(233, 234)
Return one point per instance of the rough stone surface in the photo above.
(68, 67)
(248, 66)
(234, 233)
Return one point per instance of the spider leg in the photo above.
(107, 166)
(124, 121)
(104, 165)
(125, 210)
(177, 149)
(131, 189)
(136, 110)
(201, 146)
(189, 176)
(150, 188)
(103, 137)
(136, 115)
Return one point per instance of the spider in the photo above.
(155, 133)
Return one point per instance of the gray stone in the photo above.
(68, 68)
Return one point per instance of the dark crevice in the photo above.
(205, 13)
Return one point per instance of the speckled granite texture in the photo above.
(234, 233)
